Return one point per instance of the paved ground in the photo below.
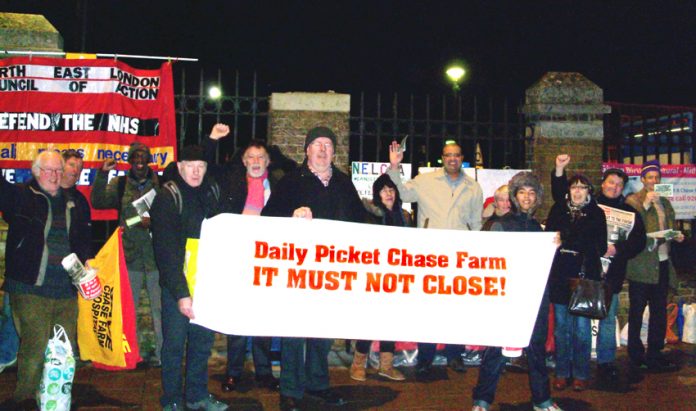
(140, 389)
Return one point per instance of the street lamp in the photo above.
(455, 73)
(214, 92)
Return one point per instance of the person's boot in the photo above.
(357, 369)
(386, 369)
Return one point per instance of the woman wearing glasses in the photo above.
(583, 230)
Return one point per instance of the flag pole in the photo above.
(100, 55)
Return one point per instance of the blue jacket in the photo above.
(27, 211)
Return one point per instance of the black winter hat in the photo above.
(317, 132)
(192, 153)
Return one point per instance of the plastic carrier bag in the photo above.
(58, 372)
(689, 332)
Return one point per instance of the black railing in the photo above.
(240, 106)
(635, 133)
(495, 126)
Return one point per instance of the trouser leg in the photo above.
(9, 340)
(426, 353)
(154, 291)
(657, 326)
(317, 364)
(261, 353)
(33, 320)
(606, 334)
(292, 367)
(236, 351)
(491, 367)
(175, 330)
(199, 344)
(536, 358)
(638, 298)
(562, 337)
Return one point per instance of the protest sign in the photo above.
(323, 278)
(97, 107)
(364, 174)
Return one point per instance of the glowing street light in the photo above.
(455, 73)
(214, 92)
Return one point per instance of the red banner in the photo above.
(98, 107)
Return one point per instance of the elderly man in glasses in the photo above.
(46, 223)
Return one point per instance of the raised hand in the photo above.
(395, 154)
(219, 131)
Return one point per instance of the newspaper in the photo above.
(619, 223)
(142, 206)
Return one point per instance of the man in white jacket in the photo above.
(447, 198)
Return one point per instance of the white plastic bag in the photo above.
(643, 328)
(595, 333)
(689, 333)
(58, 372)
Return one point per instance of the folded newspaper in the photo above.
(142, 206)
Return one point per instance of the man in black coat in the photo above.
(317, 189)
(176, 215)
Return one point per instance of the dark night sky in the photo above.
(638, 51)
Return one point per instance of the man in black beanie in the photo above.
(177, 214)
(317, 189)
(119, 194)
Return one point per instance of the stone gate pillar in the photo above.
(564, 112)
(28, 32)
(291, 115)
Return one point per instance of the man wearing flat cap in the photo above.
(177, 214)
(119, 194)
(650, 275)
(316, 189)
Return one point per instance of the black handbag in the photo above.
(589, 298)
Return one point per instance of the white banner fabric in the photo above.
(270, 276)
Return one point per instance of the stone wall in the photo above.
(565, 112)
(293, 114)
(28, 32)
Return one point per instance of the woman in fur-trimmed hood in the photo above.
(526, 196)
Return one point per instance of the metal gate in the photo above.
(494, 125)
(635, 133)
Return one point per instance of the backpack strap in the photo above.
(176, 194)
(215, 189)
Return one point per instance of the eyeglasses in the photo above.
(319, 145)
(579, 187)
(51, 171)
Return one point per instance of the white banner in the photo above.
(294, 277)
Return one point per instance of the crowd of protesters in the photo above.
(48, 219)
